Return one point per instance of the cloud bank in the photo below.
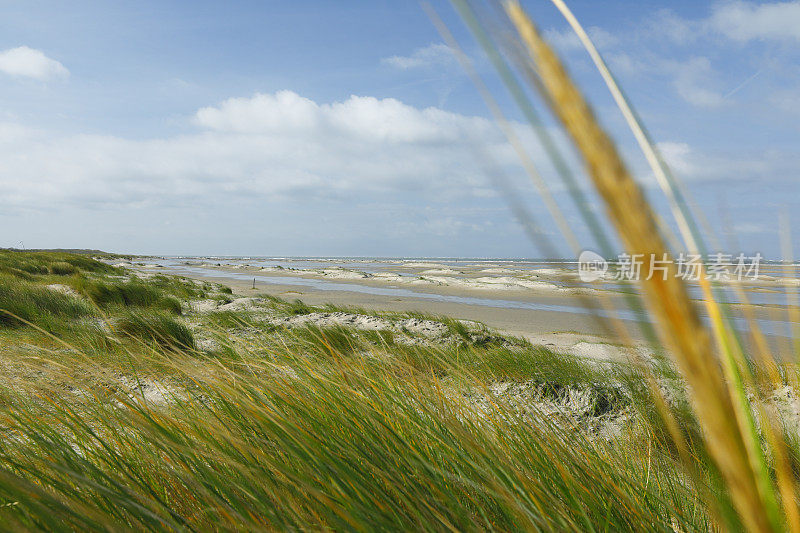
(273, 147)
(261, 147)
(745, 21)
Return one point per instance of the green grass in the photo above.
(382, 337)
(332, 448)
(182, 287)
(158, 328)
(62, 268)
(297, 307)
(229, 319)
(22, 301)
(335, 341)
(42, 263)
(121, 422)
(133, 293)
(16, 272)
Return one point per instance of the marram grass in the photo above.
(125, 423)
(337, 441)
(717, 390)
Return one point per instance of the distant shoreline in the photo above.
(555, 317)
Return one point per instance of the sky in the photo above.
(348, 128)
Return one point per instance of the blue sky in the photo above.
(347, 128)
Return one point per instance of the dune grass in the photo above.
(312, 428)
(62, 268)
(347, 447)
(125, 422)
(131, 293)
(159, 328)
(22, 301)
(40, 263)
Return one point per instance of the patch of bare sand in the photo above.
(64, 289)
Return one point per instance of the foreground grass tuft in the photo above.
(324, 446)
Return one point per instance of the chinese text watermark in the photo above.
(633, 267)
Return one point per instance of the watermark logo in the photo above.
(591, 266)
(690, 267)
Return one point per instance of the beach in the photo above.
(543, 302)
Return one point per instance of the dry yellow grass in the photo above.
(736, 452)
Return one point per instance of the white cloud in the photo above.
(433, 55)
(745, 21)
(694, 81)
(282, 145)
(752, 166)
(624, 63)
(30, 63)
(566, 40)
(257, 148)
(786, 100)
(630, 53)
(736, 20)
(361, 118)
(678, 156)
(284, 111)
(667, 25)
